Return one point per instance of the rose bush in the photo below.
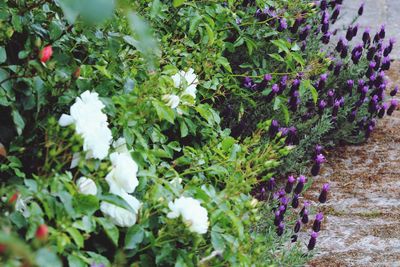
(143, 132)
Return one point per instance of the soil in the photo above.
(362, 216)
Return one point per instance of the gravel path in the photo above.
(362, 222)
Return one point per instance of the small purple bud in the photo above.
(371, 53)
(297, 226)
(352, 116)
(318, 149)
(355, 30)
(344, 52)
(349, 34)
(323, 5)
(304, 218)
(313, 241)
(305, 207)
(394, 91)
(382, 110)
(361, 9)
(300, 184)
(324, 193)
(289, 184)
(382, 32)
(321, 105)
(277, 219)
(282, 25)
(393, 106)
(304, 32)
(295, 201)
(271, 184)
(337, 69)
(385, 64)
(280, 229)
(366, 37)
(326, 38)
(335, 14)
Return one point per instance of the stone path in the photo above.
(376, 13)
(362, 222)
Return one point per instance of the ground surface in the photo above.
(362, 223)
(377, 12)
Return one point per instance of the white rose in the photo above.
(120, 216)
(172, 100)
(122, 177)
(86, 186)
(193, 214)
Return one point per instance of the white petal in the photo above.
(65, 120)
(86, 186)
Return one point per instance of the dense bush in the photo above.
(143, 132)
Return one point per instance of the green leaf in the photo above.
(117, 201)
(134, 237)
(285, 111)
(177, 3)
(47, 258)
(76, 236)
(163, 111)
(85, 204)
(75, 261)
(110, 229)
(3, 54)
(314, 94)
(18, 121)
(225, 63)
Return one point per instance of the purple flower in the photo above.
(382, 32)
(335, 14)
(318, 149)
(342, 42)
(352, 116)
(355, 30)
(313, 241)
(297, 226)
(382, 110)
(94, 264)
(273, 128)
(366, 37)
(371, 68)
(305, 207)
(304, 32)
(271, 184)
(361, 9)
(280, 229)
(282, 25)
(324, 193)
(393, 105)
(289, 184)
(349, 33)
(248, 82)
(389, 48)
(300, 184)
(371, 53)
(394, 91)
(322, 81)
(296, 25)
(295, 201)
(385, 63)
(345, 51)
(322, 105)
(337, 68)
(326, 38)
(304, 217)
(323, 5)
(278, 218)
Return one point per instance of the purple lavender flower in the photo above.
(394, 91)
(335, 14)
(322, 81)
(304, 217)
(382, 110)
(317, 222)
(382, 32)
(295, 201)
(361, 9)
(385, 63)
(324, 193)
(318, 149)
(352, 116)
(313, 241)
(371, 53)
(320, 159)
(322, 105)
(297, 226)
(366, 37)
(371, 68)
(271, 184)
(337, 68)
(345, 51)
(248, 82)
(277, 219)
(264, 83)
(389, 48)
(323, 5)
(340, 44)
(326, 38)
(349, 86)
(289, 184)
(300, 184)
(296, 25)
(304, 32)
(355, 30)
(305, 207)
(280, 229)
(393, 105)
(282, 25)
(349, 33)
(295, 85)
(94, 264)
(317, 164)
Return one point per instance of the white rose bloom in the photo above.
(190, 90)
(172, 100)
(120, 216)
(193, 214)
(86, 186)
(122, 177)
(190, 77)
(177, 78)
(120, 145)
(91, 123)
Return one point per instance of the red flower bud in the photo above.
(3, 248)
(13, 198)
(46, 53)
(42, 232)
(77, 73)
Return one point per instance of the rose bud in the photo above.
(271, 184)
(300, 184)
(361, 9)
(394, 91)
(393, 105)
(366, 37)
(280, 229)
(13, 198)
(295, 201)
(289, 184)
(46, 53)
(324, 193)
(382, 110)
(42, 232)
(317, 222)
(313, 241)
(297, 226)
